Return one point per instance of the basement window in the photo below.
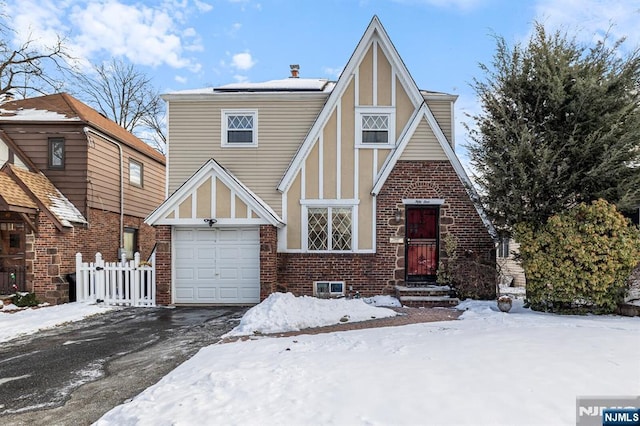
(327, 289)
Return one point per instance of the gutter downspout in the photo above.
(88, 130)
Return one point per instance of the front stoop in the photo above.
(426, 296)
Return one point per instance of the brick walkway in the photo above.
(407, 316)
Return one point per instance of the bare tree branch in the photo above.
(28, 68)
(125, 95)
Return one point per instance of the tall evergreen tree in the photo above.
(560, 125)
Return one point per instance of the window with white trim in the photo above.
(329, 228)
(375, 127)
(239, 128)
(325, 289)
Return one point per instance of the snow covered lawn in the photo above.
(487, 368)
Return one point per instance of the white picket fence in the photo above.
(124, 283)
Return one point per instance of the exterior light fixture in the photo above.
(398, 215)
(210, 221)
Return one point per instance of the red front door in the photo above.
(422, 243)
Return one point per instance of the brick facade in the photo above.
(50, 254)
(379, 273)
(369, 274)
(268, 260)
(163, 264)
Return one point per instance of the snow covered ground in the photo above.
(489, 368)
(15, 322)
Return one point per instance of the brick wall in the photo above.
(458, 215)
(268, 260)
(374, 274)
(163, 264)
(369, 274)
(50, 254)
(105, 237)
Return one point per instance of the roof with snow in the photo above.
(43, 193)
(296, 85)
(286, 85)
(62, 107)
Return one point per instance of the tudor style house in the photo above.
(312, 186)
(71, 181)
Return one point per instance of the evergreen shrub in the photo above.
(580, 260)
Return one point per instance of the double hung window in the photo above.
(239, 128)
(375, 127)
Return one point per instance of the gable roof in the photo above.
(374, 30)
(45, 196)
(12, 197)
(62, 107)
(209, 168)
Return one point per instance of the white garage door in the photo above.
(217, 265)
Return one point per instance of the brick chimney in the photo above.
(295, 69)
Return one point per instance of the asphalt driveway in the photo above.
(73, 374)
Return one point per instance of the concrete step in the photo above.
(429, 290)
(428, 301)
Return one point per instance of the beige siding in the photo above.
(185, 208)
(442, 111)
(223, 200)
(330, 154)
(312, 167)
(382, 157)
(347, 153)
(194, 137)
(203, 194)
(423, 145)
(365, 78)
(294, 217)
(404, 108)
(384, 79)
(510, 269)
(241, 208)
(365, 208)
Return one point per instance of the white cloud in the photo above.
(203, 6)
(144, 35)
(332, 72)
(180, 79)
(592, 19)
(242, 61)
(240, 78)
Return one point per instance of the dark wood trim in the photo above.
(42, 207)
(29, 222)
(13, 147)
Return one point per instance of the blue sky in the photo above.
(186, 44)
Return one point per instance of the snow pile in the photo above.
(490, 368)
(281, 312)
(15, 321)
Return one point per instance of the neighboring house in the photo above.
(311, 186)
(71, 181)
(510, 269)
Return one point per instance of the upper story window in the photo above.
(329, 228)
(135, 172)
(375, 127)
(503, 247)
(239, 128)
(56, 153)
